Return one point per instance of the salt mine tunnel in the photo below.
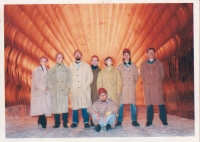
(31, 31)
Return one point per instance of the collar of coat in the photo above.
(109, 68)
(56, 65)
(151, 62)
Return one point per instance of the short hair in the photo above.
(78, 51)
(59, 53)
(151, 48)
(107, 59)
(43, 57)
(95, 56)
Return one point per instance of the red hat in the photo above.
(126, 50)
(44, 58)
(95, 56)
(102, 90)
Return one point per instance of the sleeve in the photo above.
(119, 82)
(135, 73)
(113, 107)
(142, 71)
(49, 79)
(92, 109)
(162, 70)
(69, 78)
(37, 81)
(89, 76)
(99, 80)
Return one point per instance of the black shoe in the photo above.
(74, 125)
(97, 128)
(165, 123)
(148, 124)
(91, 123)
(108, 127)
(135, 123)
(87, 125)
(65, 125)
(42, 121)
(56, 126)
(118, 123)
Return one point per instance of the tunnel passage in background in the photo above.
(32, 31)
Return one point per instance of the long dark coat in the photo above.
(94, 94)
(153, 75)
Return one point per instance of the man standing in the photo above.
(110, 79)
(40, 95)
(129, 75)
(81, 91)
(95, 71)
(152, 72)
(59, 82)
(103, 111)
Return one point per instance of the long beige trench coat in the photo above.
(40, 99)
(59, 81)
(110, 79)
(129, 76)
(153, 75)
(81, 91)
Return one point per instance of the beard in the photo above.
(78, 58)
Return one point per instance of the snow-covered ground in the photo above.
(27, 127)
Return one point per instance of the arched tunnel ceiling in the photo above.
(32, 31)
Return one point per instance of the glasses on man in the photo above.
(102, 95)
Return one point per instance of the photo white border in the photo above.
(120, 139)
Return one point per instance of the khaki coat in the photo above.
(40, 99)
(81, 91)
(129, 76)
(153, 75)
(110, 79)
(59, 81)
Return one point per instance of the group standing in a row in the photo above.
(96, 92)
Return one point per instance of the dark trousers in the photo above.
(42, 120)
(64, 118)
(162, 113)
(85, 116)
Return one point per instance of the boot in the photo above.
(87, 125)
(108, 127)
(65, 125)
(118, 123)
(44, 123)
(92, 123)
(135, 123)
(97, 128)
(56, 125)
(74, 125)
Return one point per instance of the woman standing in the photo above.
(110, 79)
(40, 95)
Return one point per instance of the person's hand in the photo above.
(108, 113)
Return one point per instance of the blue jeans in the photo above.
(162, 113)
(64, 118)
(110, 119)
(85, 116)
(132, 111)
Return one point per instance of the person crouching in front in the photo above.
(103, 111)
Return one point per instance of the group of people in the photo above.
(100, 94)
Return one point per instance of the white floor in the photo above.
(26, 127)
